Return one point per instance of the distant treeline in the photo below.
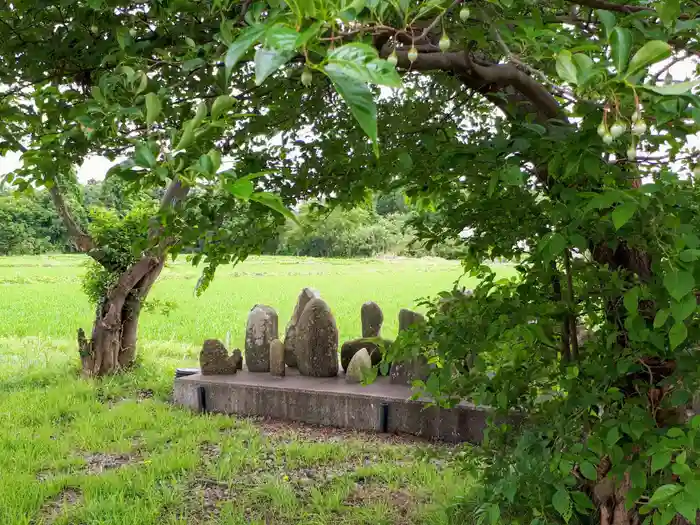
(30, 225)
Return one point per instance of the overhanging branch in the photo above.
(78, 237)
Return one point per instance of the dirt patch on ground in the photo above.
(52, 509)
(285, 429)
(99, 462)
(401, 501)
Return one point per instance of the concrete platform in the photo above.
(379, 407)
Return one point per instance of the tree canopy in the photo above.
(548, 133)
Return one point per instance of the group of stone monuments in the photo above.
(311, 344)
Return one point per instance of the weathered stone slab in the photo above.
(372, 318)
(290, 335)
(317, 344)
(260, 331)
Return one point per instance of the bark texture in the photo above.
(112, 346)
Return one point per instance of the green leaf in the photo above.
(566, 68)
(143, 156)
(679, 283)
(608, 20)
(360, 62)
(215, 157)
(638, 476)
(678, 88)
(682, 309)
(623, 213)
(153, 108)
(267, 61)
(650, 53)
(241, 45)
(582, 501)
(695, 422)
(661, 317)
(631, 299)
(562, 503)
(221, 105)
(677, 334)
(191, 65)
(584, 65)
(494, 514)
(664, 493)
(690, 255)
(659, 460)
(687, 506)
(241, 188)
(308, 34)
(613, 436)
(359, 99)
(589, 471)
(281, 38)
(681, 458)
(187, 136)
(274, 202)
(620, 44)
(200, 114)
(668, 10)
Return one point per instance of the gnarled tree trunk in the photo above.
(112, 346)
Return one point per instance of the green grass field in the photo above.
(116, 452)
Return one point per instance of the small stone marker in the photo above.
(372, 318)
(214, 359)
(260, 331)
(350, 348)
(290, 335)
(358, 367)
(277, 367)
(406, 372)
(237, 357)
(317, 344)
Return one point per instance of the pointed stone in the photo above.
(214, 359)
(359, 365)
(372, 318)
(260, 331)
(290, 335)
(317, 345)
(277, 366)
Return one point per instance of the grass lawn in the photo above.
(116, 452)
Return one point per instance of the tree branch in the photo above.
(486, 79)
(78, 237)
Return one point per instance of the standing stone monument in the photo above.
(290, 335)
(214, 359)
(317, 344)
(277, 367)
(358, 367)
(260, 331)
(372, 319)
(406, 372)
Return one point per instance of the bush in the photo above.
(358, 232)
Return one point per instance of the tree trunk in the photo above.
(112, 346)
